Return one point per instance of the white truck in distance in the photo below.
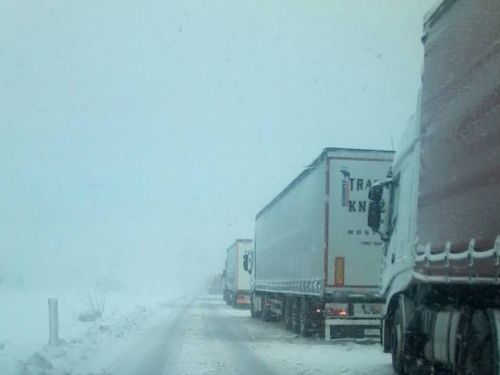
(236, 279)
(441, 276)
(315, 264)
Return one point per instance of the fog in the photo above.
(138, 140)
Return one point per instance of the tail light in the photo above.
(337, 312)
(337, 309)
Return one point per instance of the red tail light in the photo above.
(337, 312)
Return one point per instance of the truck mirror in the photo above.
(375, 193)
(245, 262)
(374, 213)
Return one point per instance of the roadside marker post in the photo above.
(53, 322)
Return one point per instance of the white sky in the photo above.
(139, 139)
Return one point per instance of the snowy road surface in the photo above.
(207, 337)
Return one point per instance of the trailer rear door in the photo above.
(354, 252)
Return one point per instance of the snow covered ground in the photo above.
(85, 346)
(287, 353)
(207, 337)
(161, 335)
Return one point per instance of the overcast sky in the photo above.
(139, 139)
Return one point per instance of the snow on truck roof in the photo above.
(244, 240)
(308, 169)
(437, 11)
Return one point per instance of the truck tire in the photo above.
(234, 300)
(266, 316)
(256, 312)
(263, 308)
(287, 313)
(295, 315)
(478, 352)
(252, 311)
(304, 320)
(397, 343)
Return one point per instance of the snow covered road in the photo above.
(207, 337)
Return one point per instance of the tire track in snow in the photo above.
(230, 333)
(200, 353)
(156, 352)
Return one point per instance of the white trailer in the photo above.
(236, 279)
(315, 263)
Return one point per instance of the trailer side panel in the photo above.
(289, 237)
(231, 267)
(460, 127)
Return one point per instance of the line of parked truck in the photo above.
(424, 274)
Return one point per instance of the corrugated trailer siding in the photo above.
(460, 127)
(357, 249)
(289, 235)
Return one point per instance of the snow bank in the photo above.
(334, 358)
(84, 346)
(288, 353)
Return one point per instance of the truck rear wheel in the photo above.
(287, 313)
(305, 324)
(397, 343)
(252, 311)
(256, 300)
(478, 351)
(266, 313)
(295, 315)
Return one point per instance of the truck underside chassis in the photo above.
(454, 328)
(237, 299)
(353, 320)
(300, 314)
(308, 315)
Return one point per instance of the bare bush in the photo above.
(95, 304)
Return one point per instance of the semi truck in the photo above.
(215, 285)
(438, 209)
(236, 280)
(315, 265)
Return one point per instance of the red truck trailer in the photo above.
(441, 225)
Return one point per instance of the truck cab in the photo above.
(392, 213)
(398, 216)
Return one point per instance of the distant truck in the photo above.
(315, 264)
(215, 285)
(441, 224)
(236, 280)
